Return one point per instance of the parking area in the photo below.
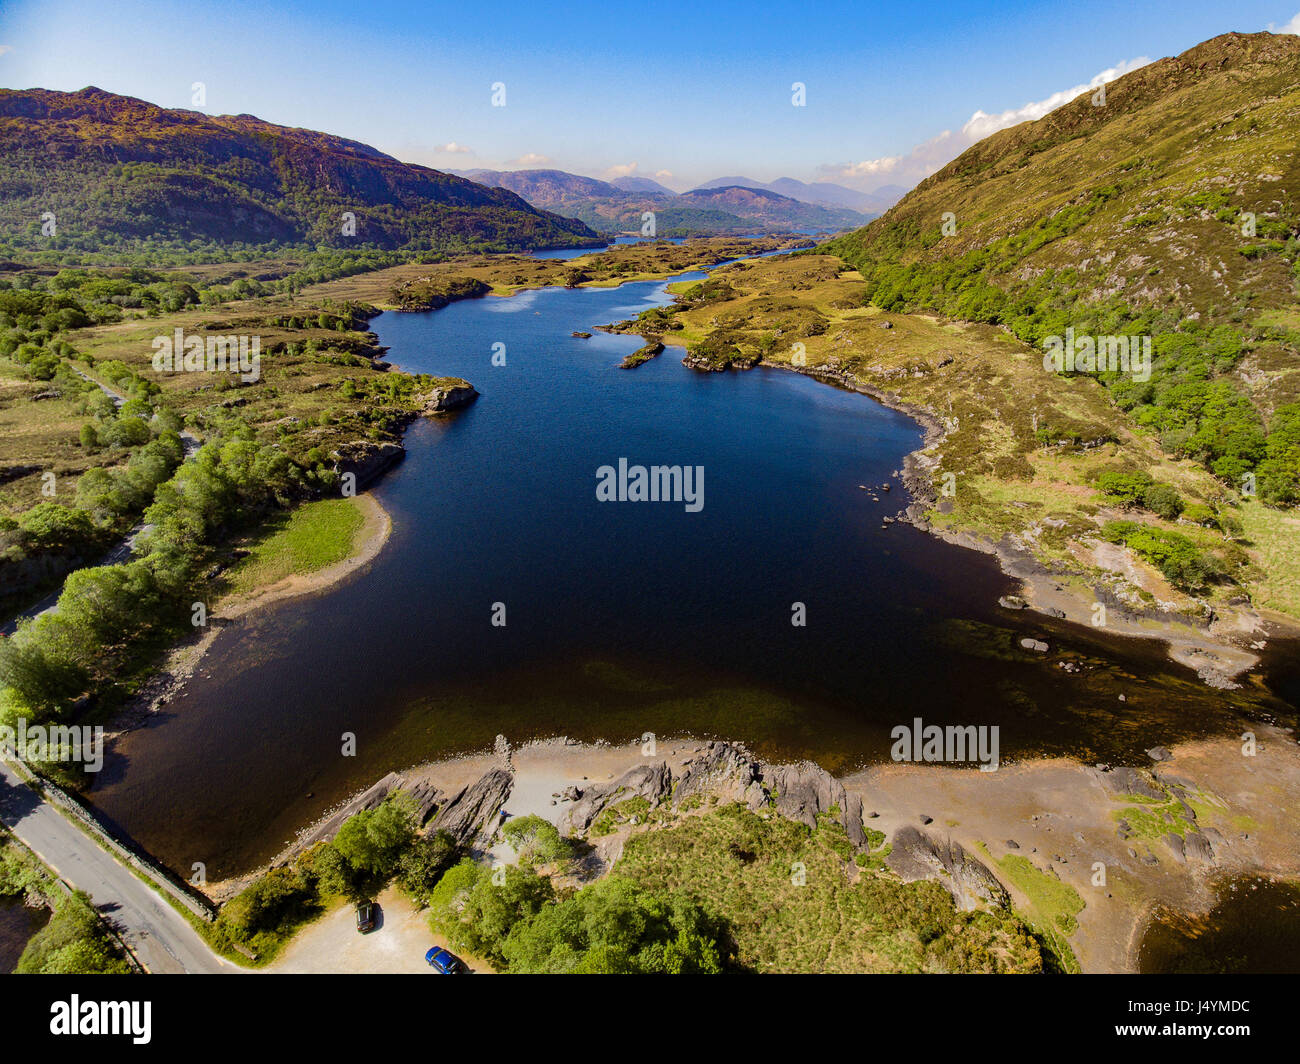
(397, 945)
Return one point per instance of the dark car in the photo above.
(444, 962)
(367, 913)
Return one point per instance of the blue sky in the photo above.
(692, 90)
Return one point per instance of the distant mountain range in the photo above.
(115, 172)
(823, 192)
(724, 206)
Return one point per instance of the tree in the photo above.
(615, 926)
(74, 942)
(423, 863)
(535, 839)
(373, 840)
(1164, 500)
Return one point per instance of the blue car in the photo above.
(444, 962)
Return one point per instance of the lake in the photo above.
(624, 617)
(1254, 928)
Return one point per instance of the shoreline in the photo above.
(1062, 816)
(182, 660)
(1213, 655)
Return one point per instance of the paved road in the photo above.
(159, 936)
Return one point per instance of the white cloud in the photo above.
(452, 148)
(1291, 27)
(622, 170)
(663, 175)
(935, 153)
(4, 48)
(531, 158)
(980, 125)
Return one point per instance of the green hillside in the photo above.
(120, 175)
(1133, 216)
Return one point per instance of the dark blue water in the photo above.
(621, 617)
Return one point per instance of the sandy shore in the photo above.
(1062, 816)
(374, 533)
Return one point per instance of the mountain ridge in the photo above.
(129, 172)
(1169, 210)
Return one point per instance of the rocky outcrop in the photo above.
(1122, 780)
(470, 810)
(371, 798)
(650, 349)
(423, 796)
(727, 771)
(917, 856)
(449, 395)
(652, 782)
(800, 792)
(367, 460)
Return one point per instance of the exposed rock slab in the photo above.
(917, 856)
(804, 790)
(652, 781)
(466, 813)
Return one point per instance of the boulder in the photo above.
(1197, 847)
(452, 395)
(1122, 779)
(726, 770)
(804, 790)
(471, 809)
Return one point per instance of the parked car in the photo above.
(444, 962)
(367, 916)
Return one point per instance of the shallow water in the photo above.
(17, 925)
(629, 617)
(1254, 928)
